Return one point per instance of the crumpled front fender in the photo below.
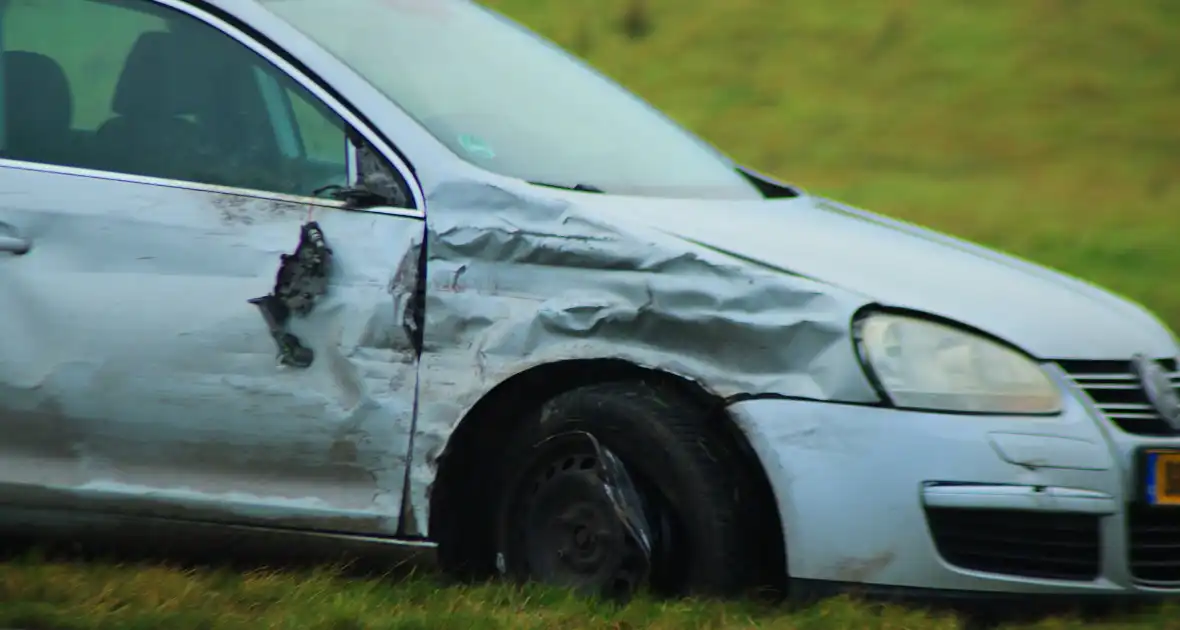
(517, 282)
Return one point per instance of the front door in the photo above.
(157, 168)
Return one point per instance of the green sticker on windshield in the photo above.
(476, 146)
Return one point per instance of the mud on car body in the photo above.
(402, 272)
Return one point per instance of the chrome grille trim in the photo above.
(1117, 393)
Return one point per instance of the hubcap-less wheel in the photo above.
(566, 527)
(618, 486)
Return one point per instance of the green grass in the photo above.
(40, 595)
(1048, 128)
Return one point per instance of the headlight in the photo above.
(925, 365)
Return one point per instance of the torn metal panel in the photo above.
(515, 281)
(302, 278)
(133, 366)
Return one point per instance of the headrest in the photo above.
(162, 77)
(37, 94)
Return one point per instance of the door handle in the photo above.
(11, 242)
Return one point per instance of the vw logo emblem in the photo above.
(1157, 384)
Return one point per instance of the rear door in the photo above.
(158, 163)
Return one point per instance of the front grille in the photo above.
(1113, 387)
(1155, 542)
(1030, 544)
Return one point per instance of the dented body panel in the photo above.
(743, 298)
(137, 376)
(518, 280)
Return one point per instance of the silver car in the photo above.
(400, 271)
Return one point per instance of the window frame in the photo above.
(278, 61)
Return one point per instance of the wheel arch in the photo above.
(483, 432)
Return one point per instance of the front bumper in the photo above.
(871, 496)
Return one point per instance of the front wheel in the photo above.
(617, 487)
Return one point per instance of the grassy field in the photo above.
(36, 594)
(62, 596)
(1048, 128)
(58, 595)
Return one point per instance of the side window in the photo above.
(132, 87)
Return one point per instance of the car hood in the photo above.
(1048, 314)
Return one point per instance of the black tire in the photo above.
(684, 467)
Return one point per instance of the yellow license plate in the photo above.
(1163, 477)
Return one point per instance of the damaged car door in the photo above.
(210, 313)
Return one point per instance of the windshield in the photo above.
(510, 102)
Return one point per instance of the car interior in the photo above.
(188, 105)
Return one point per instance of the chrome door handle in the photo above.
(11, 242)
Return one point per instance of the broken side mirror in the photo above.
(375, 182)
